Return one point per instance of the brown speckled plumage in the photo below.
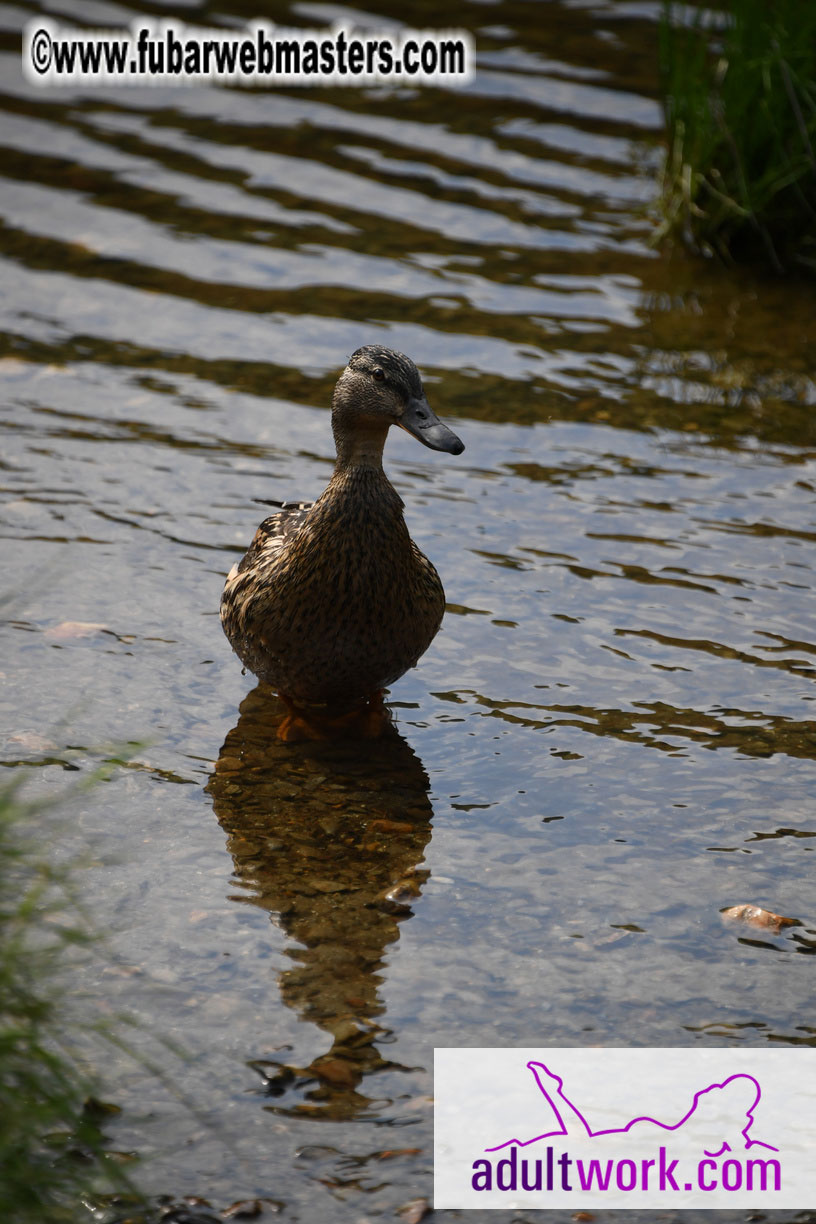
(333, 601)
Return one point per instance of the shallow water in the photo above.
(612, 739)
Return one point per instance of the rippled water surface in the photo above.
(612, 739)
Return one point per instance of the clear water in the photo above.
(613, 737)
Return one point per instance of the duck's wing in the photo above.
(274, 533)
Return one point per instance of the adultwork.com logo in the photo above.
(625, 1128)
(641, 1173)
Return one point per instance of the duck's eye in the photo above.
(378, 374)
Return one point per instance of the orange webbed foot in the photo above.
(367, 721)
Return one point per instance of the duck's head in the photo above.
(380, 388)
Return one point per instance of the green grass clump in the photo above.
(50, 1139)
(740, 101)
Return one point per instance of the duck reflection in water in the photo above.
(329, 838)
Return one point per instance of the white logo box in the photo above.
(621, 1128)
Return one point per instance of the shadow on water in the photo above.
(329, 839)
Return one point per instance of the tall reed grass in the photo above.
(739, 89)
(52, 1149)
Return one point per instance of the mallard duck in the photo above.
(333, 600)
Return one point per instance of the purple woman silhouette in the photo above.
(736, 1097)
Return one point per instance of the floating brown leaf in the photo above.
(756, 916)
(414, 1211)
(247, 1209)
(74, 629)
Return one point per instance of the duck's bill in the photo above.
(423, 424)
